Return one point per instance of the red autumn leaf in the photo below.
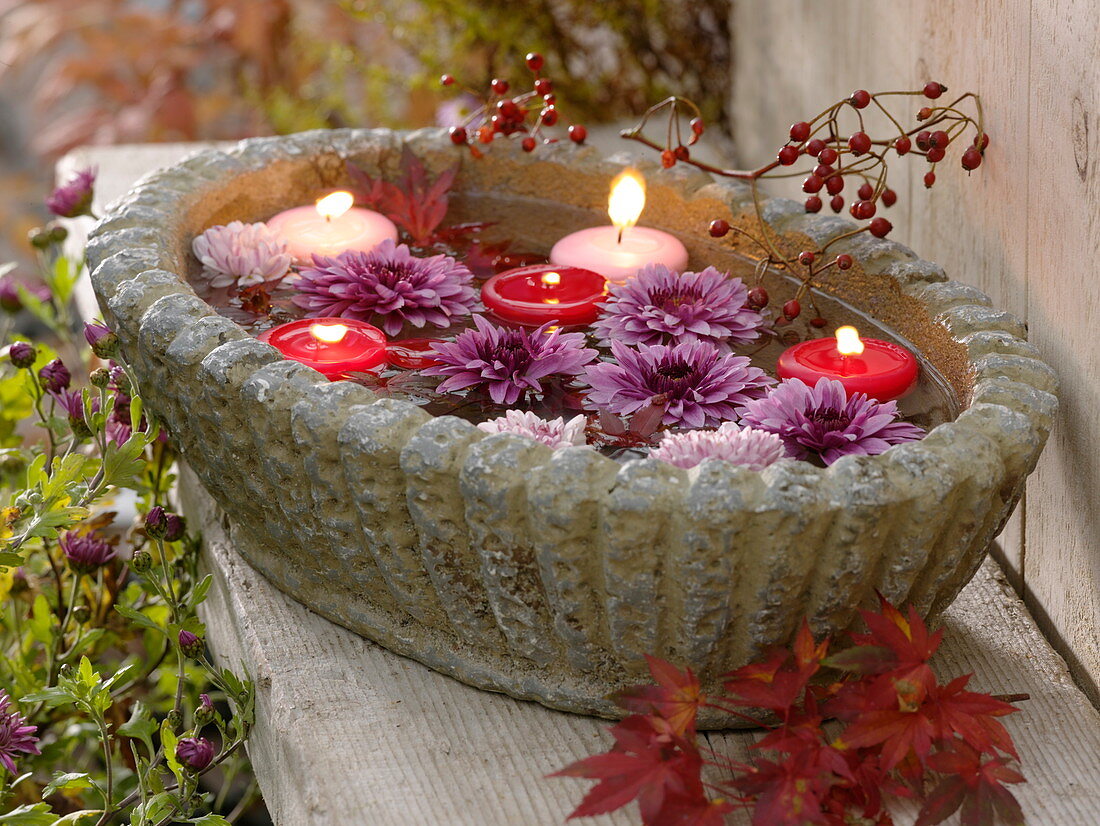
(983, 796)
(418, 205)
(647, 763)
(970, 715)
(675, 697)
(897, 732)
(788, 793)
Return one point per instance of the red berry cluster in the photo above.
(529, 113)
(837, 161)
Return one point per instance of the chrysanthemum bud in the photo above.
(81, 613)
(156, 522)
(22, 354)
(175, 529)
(195, 752)
(142, 561)
(54, 376)
(100, 377)
(205, 711)
(175, 719)
(103, 342)
(191, 644)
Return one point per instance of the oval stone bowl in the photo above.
(549, 574)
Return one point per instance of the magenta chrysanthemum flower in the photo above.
(554, 433)
(661, 306)
(389, 286)
(101, 339)
(15, 737)
(699, 385)
(74, 197)
(508, 362)
(85, 552)
(823, 420)
(747, 447)
(241, 255)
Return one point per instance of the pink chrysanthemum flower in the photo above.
(389, 286)
(661, 306)
(824, 421)
(554, 433)
(510, 363)
(241, 255)
(747, 447)
(699, 385)
(15, 737)
(74, 197)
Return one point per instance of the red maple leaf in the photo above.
(418, 204)
(975, 785)
(675, 698)
(777, 683)
(969, 715)
(648, 763)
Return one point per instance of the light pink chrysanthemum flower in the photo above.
(241, 255)
(754, 449)
(553, 433)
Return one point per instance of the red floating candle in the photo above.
(333, 346)
(882, 370)
(412, 353)
(545, 293)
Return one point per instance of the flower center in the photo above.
(391, 274)
(829, 417)
(669, 298)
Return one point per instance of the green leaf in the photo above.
(67, 780)
(85, 817)
(53, 696)
(121, 463)
(200, 591)
(138, 618)
(168, 742)
(141, 726)
(38, 814)
(210, 820)
(10, 560)
(41, 622)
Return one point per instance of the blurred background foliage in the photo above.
(76, 72)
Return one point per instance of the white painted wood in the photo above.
(349, 733)
(1023, 228)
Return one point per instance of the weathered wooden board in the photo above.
(1023, 228)
(348, 733)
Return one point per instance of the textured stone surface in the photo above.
(548, 575)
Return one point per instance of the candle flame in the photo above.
(551, 279)
(848, 342)
(335, 205)
(329, 333)
(627, 199)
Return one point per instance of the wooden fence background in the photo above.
(1025, 228)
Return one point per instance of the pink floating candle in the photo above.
(881, 369)
(617, 252)
(333, 346)
(545, 293)
(331, 227)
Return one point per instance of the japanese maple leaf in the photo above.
(787, 793)
(675, 697)
(970, 715)
(777, 682)
(977, 786)
(645, 764)
(418, 205)
(898, 732)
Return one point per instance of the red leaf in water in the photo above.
(418, 205)
(646, 420)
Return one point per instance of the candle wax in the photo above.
(599, 249)
(359, 349)
(309, 233)
(884, 371)
(545, 293)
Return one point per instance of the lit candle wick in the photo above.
(334, 205)
(626, 201)
(551, 279)
(329, 333)
(848, 342)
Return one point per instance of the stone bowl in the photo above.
(549, 574)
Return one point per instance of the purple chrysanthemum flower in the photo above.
(22, 354)
(85, 552)
(509, 362)
(699, 385)
(825, 421)
(74, 197)
(241, 255)
(389, 285)
(554, 433)
(747, 447)
(661, 306)
(15, 737)
(195, 752)
(190, 644)
(54, 376)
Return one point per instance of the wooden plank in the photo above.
(348, 733)
(1062, 573)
